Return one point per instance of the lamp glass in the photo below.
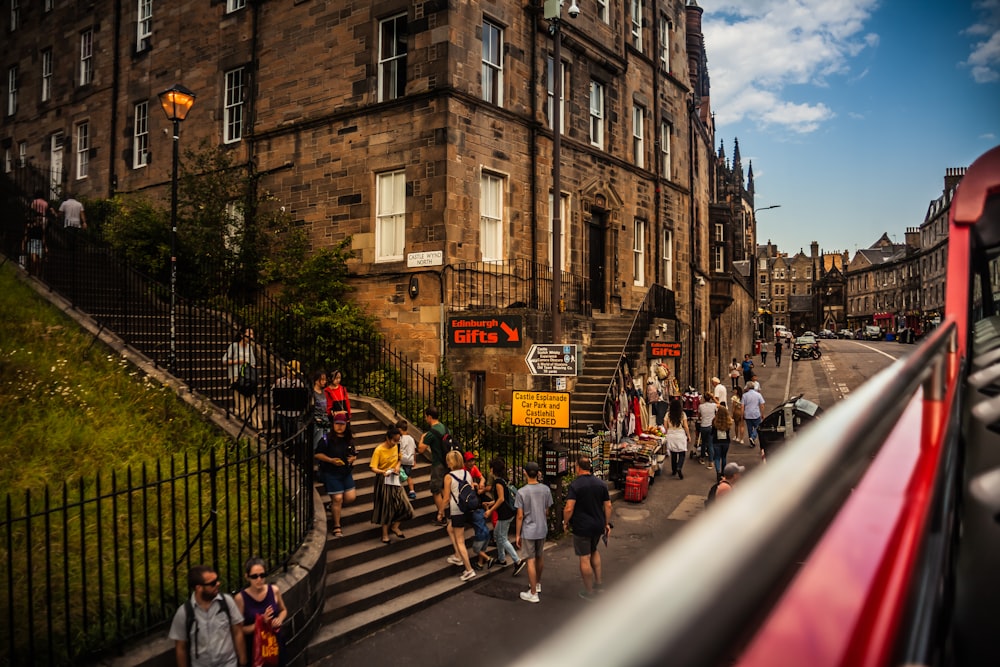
(176, 102)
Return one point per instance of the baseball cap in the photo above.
(732, 468)
(716, 380)
(340, 418)
(469, 456)
(531, 466)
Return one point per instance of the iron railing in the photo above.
(516, 283)
(658, 303)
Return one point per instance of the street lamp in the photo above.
(766, 208)
(176, 102)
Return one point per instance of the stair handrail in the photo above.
(657, 303)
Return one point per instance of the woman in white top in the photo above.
(239, 358)
(456, 526)
(678, 437)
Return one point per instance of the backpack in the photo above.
(450, 443)
(467, 498)
(510, 495)
(189, 620)
(710, 498)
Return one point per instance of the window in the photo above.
(12, 90)
(392, 36)
(720, 232)
(666, 129)
(47, 5)
(235, 5)
(82, 150)
(719, 258)
(86, 57)
(602, 10)
(140, 136)
(46, 75)
(492, 63)
(638, 135)
(390, 216)
(635, 14)
(563, 226)
(639, 254)
(668, 259)
(8, 161)
(597, 114)
(550, 79)
(232, 116)
(491, 189)
(143, 25)
(15, 14)
(22, 154)
(665, 27)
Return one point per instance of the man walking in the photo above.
(778, 344)
(588, 513)
(212, 636)
(533, 502)
(433, 439)
(719, 391)
(763, 353)
(752, 403)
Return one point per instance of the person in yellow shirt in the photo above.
(390, 505)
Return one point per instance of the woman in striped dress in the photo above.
(390, 505)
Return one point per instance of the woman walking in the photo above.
(321, 422)
(260, 598)
(723, 425)
(678, 437)
(734, 373)
(337, 400)
(505, 514)
(390, 506)
(737, 402)
(241, 367)
(456, 476)
(336, 455)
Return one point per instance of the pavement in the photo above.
(487, 624)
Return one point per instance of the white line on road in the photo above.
(875, 349)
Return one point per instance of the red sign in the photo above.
(656, 349)
(498, 331)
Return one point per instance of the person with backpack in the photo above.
(460, 493)
(588, 513)
(730, 475)
(433, 440)
(532, 527)
(505, 505)
(208, 628)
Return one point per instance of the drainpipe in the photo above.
(657, 149)
(692, 111)
(115, 78)
(533, 151)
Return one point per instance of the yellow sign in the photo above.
(545, 409)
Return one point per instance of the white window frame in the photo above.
(719, 258)
(666, 167)
(15, 14)
(46, 75)
(563, 227)
(639, 135)
(492, 63)
(232, 113)
(639, 253)
(8, 161)
(390, 216)
(22, 154)
(666, 26)
(550, 93)
(668, 259)
(12, 90)
(47, 6)
(86, 57)
(491, 225)
(82, 134)
(143, 24)
(390, 60)
(235, 5)
(597, 98)
(140, 135)
(635, 21)
(602, 11)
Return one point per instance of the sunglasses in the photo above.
(256, 576)
(210, 584)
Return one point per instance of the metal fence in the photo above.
(516, 283)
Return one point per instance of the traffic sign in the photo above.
(552, 360)
(544, 409)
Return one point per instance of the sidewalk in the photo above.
(489, 625)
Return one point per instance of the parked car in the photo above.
(872, 333)
(845, 333)
(827, 333)
(784, 421)
(810, 333)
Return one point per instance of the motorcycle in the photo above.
(806, 352)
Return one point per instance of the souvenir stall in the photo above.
(635, 445)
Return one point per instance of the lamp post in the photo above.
(176, 102)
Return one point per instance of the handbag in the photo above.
(265, 644)
(246, 382)
(403, 476)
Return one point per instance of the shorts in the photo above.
(408, 468)
(437, 479)
(35, 247)
(533, 548)
(457, 519)
(583, 545)
(337, 484)
(478, 546)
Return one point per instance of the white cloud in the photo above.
(984, 59)
(758, 48)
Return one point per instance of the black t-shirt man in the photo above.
(590, 494)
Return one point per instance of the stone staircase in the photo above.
(600, 361)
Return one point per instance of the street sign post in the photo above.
(552, 360)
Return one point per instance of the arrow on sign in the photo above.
(512, 335)
(552, 360)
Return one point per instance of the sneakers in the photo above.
(490, 562)
(501, 563)
(455, 560)
(468, 574)
(538, 587)
(476, 565)
(520, 565)
(587, 596)
(528, 596)
(412, 495)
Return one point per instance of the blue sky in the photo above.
(851, 110)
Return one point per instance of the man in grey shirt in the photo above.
(533, 502)
(215, 637)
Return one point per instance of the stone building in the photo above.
(422, 131)
(934, 250)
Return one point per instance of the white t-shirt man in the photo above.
(720, 392)
(72, 213)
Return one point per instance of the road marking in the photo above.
(875, 349)
(688, 508)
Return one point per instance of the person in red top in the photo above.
(337, 400)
